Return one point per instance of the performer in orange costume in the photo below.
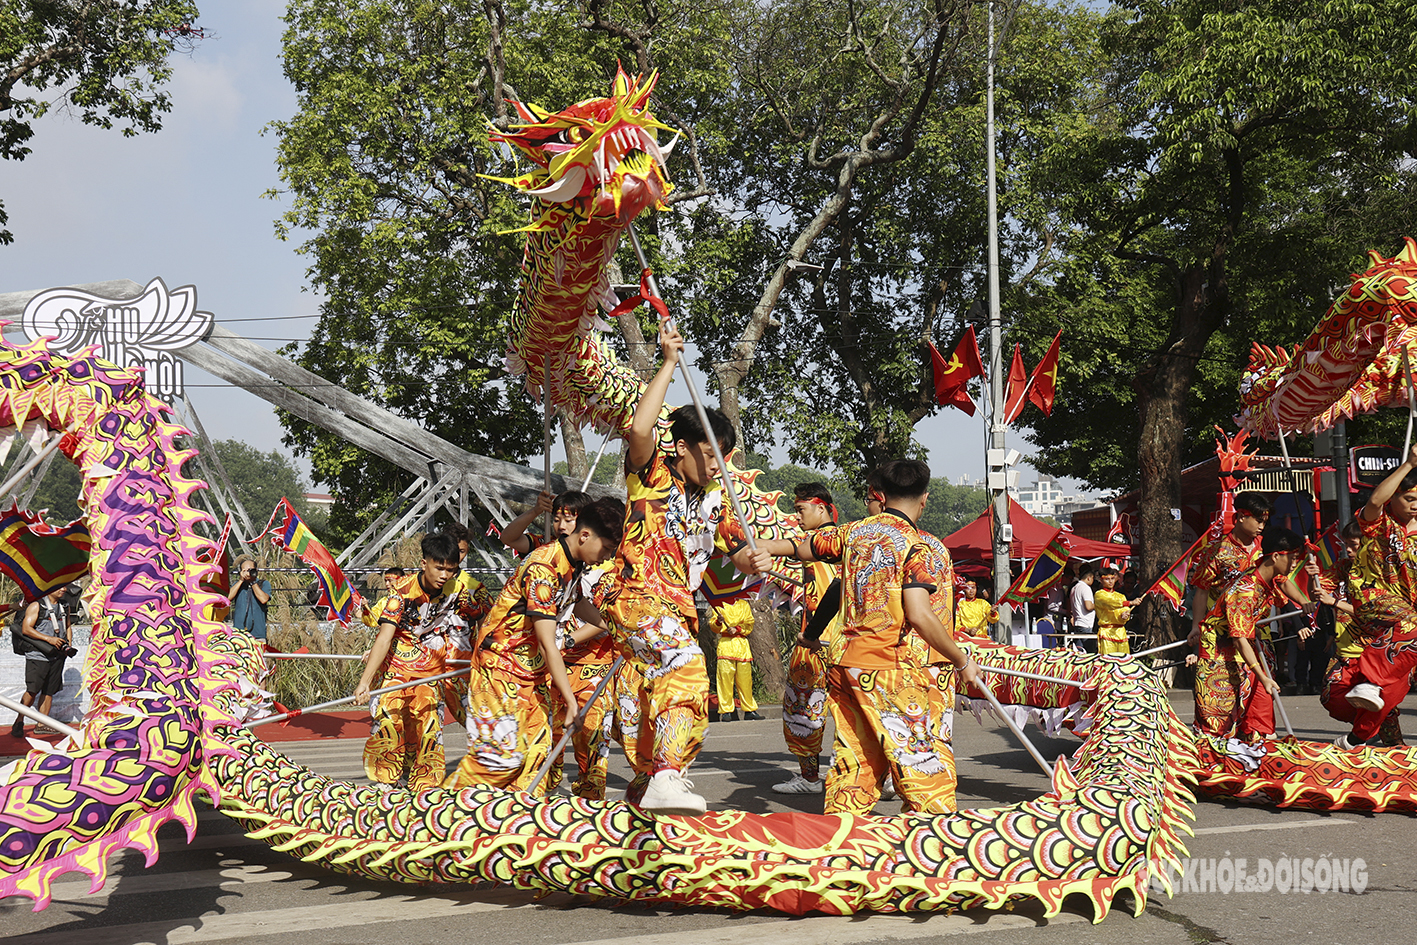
(508, 709)
(588, 652)
(1384, 580)
(1239, 702)
(886, 708)
(675, 519)
(804, 693)
(415, 630)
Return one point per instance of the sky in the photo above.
(187, 204)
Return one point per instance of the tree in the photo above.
(1239, 158)
(104, 59)
(261, 480)
(384, 160)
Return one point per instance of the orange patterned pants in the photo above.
(1229, 703)
(406, 741)
(804, 708)
(590, 744)
(508, 732)
(672, 697)
(889, 722)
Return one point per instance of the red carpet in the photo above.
(353, 724)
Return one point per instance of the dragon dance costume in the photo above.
(1383, 580)
(406, 740)
(671, 528)
(508, 711)
(587, 663)
(1235, 705)
(1111, 623)
(889, 715)
(804, 694)
(1348, 647)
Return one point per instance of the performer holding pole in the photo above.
(1239, 700)
(1385, 587)
(675, 520)
(424, 619)
(508, 706)
(886, 708)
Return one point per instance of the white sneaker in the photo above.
(799, 785)
(1366, 696)
(668, 793)
(888, 790)
(1345, 743)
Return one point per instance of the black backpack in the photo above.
(18, 640)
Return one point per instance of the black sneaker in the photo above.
(18, 729)
(752, 717)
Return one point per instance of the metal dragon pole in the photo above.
(546, 443)
(699, 405)
(348, 699)
(1278, 703)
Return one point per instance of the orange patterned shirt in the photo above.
(427, 627)
(545, 587)
(880, 557)
(1220, 562)
(1387, 559)
(671, 530)
(1246, 601)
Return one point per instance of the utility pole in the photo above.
(1340, 472)
(998, 467)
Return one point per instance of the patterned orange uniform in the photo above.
(1349, 646)
(407, 735)
(508, 707)
(1236, 705)
(1216, 565)
(586, 664)
(671, 529)
(942, 575)
(1384, 582)
(804, 693)
(888, 713)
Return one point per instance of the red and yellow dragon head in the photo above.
(599, 157)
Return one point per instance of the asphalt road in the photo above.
(224, 887)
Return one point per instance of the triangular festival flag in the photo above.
(1172, 584)
(289, 532)
(40, 557)
(1042, 573)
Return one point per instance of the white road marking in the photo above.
(1286, 825)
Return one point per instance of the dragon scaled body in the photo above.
(1350, 364)
(170, 686)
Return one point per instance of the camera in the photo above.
(70, 651)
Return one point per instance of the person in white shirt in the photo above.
(1083, 613)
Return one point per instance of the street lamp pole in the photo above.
(998, 470)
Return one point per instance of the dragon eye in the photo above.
(575, 134)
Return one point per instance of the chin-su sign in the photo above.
(1370, 465)
(144, 332)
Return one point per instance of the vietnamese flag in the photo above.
(1018, 384)
(952, 376)
(1045, 379)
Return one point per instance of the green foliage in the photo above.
(1234, 164)
(106, 61)
(261, 480)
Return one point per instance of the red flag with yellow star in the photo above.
(953, 376)
(1045, 379)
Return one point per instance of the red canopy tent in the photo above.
(975, 541)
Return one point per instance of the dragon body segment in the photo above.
(1350, 364)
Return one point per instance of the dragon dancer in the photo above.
(421, 622)
(1239, 700)
(804, 694)
(1384, 581)
(675, 519)
(508, 708)
(1336, 589)
(886, 708)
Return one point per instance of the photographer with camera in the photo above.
(250, 600)
(43, 638)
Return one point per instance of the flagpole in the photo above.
(998, 471)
